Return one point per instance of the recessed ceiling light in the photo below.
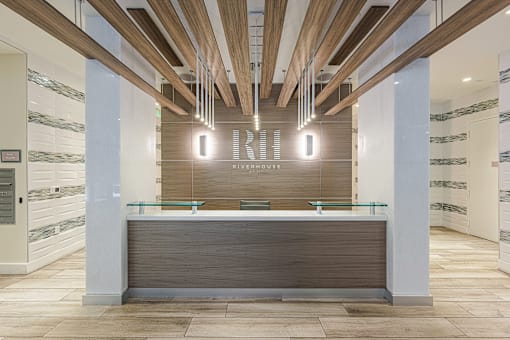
(507, 12)
(396, 82)
(467, 79)
(356, 105)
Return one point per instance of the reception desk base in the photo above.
(257, 254)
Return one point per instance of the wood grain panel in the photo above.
(397, 15)
(336, 180)
(145, 22)
(276, 254)
(43, 15)
(198, 20)
(348, 11)
(176, 142)
(116, 16)
(317, 14)
(372, 17)
(468, 17)
(234, 17)
(274, 17)
(335, 143)
(176, 180)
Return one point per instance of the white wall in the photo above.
(449, 157)
(504, 159)
(13, 120)
(121, 162)
(393, 127)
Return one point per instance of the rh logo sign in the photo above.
(248, 141)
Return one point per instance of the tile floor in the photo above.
(472, 299)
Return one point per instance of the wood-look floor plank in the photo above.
(284, 309)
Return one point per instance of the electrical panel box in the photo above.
(7, 196)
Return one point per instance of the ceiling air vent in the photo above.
(324, 77)
(187, 77)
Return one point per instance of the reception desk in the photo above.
(257, 254)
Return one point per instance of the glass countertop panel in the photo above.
(167, 204)
(346, 204)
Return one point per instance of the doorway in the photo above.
(483, 178)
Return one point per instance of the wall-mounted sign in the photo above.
(253, 162)
(10, 156)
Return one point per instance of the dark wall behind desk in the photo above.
(286, 177)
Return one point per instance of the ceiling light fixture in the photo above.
(467, 79)
(507, 12)
(396, 82)
(306, 95)
(204, 92)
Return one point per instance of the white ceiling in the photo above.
(473, 55)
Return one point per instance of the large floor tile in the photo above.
(389, 327)
(49, 283)
(7, 281)
(468, 274)
(70, 274)
(75, 295)
(470, 283)
(440, 309)
(169, 309)
(255, 327)
(487, 309)
(49, 309)
(33, 294)
(483, 327)
(463, 294)
(285, 309)
(26, 327)
(121, 327)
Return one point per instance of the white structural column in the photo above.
(504, 159)
(393, 151)
(121, 162)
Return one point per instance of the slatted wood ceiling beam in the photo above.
(145, 22)
(345, 16)
(121, 22)
(369, 20)
(396, 16)
(234, 17)
(468, 17)
(168, 17)
(274, 17)
(198, 20)
(316, 15)
(45, 16)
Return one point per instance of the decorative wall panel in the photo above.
(270, 164)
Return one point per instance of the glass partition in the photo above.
(372, 205)
(141, 205)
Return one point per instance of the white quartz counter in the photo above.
(257, 215)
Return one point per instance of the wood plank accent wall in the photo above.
(257, 254)
(326, 175)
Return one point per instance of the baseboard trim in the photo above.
(409, 300)
(13, 268)
(284, 293)
(29, 267)
(50, 258)
(504, 266)
(105, 299)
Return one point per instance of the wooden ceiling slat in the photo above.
(345, 16)
(317, 14)
(168, 17)
(116, 16)
(369, 20)
(145, 22)
(45, 16)
(234, 16)
(468, 17)
(396, 16)
(274, 17)
(198, 20)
